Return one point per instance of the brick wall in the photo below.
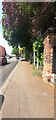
(49, 42)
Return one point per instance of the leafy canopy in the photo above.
(23, 21)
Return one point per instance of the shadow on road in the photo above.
(1, 101)
(5, 64)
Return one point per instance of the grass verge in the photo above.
(37, 72)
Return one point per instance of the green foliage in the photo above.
(15, 25)
(38, 48)
(25, 20)
(15, 51)
(37, 71)
(22, 22)
(41, 59)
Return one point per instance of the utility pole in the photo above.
(34, 56)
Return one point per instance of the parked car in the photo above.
(17, 57)
(3, 59)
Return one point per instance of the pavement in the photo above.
(26, 95)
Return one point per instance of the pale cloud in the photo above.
(4, 43)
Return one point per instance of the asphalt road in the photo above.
(5, 70)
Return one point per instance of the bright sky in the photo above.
(3, 42)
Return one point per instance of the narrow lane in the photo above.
(6, 70)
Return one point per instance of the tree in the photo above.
(15, 25)
(40, 16)
(38, 51)
(23, 21)
(15, 51)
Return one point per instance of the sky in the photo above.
(3, 42)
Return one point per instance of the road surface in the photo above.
(5, 70)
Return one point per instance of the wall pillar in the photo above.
(48, 53)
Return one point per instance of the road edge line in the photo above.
(8, 80)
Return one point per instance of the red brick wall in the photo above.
(48, 54)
